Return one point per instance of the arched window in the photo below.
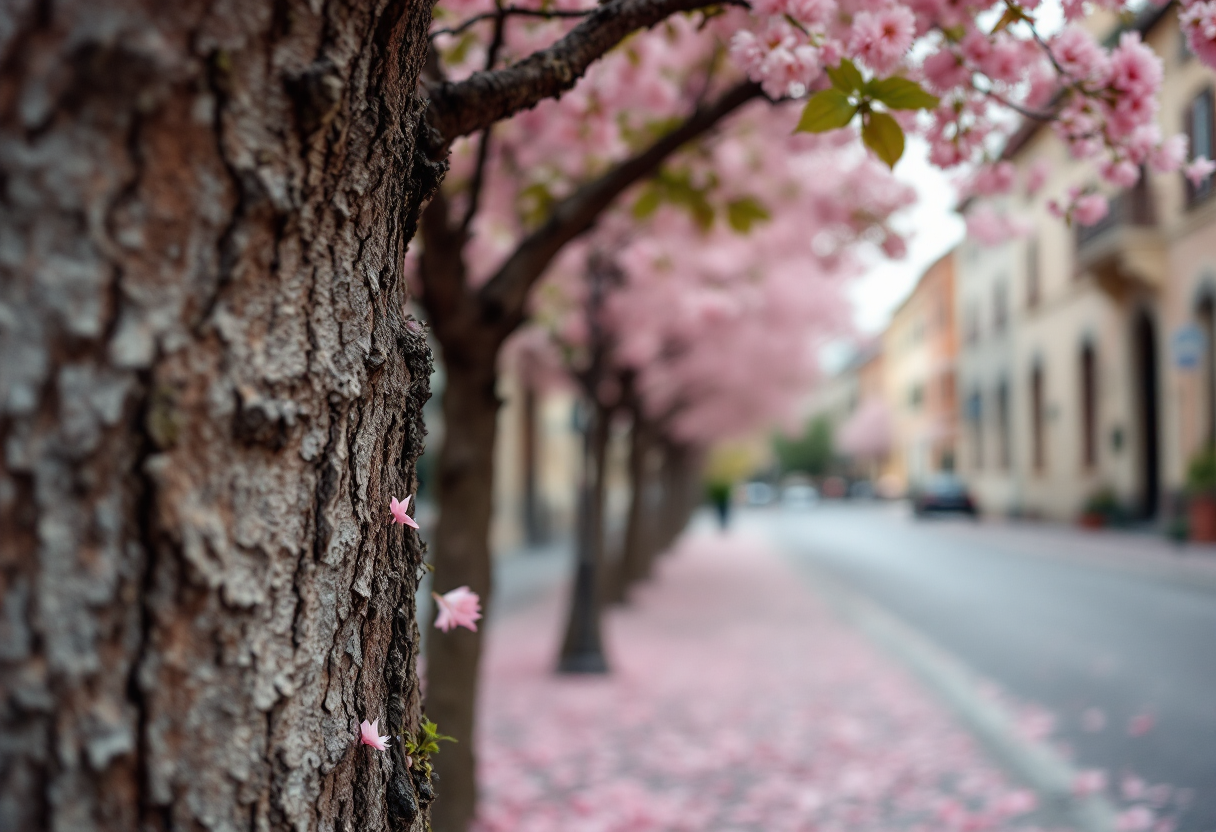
(975, 415)
(1089, 407)
(1201, 135)
(1038, 426)
(1205, 314)
(1004, 438)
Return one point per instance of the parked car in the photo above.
(862, 490)
(799, 495)
(943, 494)
(758, 493)
(835, 488)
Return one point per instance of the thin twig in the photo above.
(508, 11)
(483, 147)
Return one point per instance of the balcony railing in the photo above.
(1125, 248)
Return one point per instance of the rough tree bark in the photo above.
(680, 477)
(582, 648)
(208, 394)
(635, 557)
(530, 449)
(471, 324)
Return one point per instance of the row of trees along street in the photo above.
(212, 218)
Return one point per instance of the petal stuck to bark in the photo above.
(399, 515)
(369, 734)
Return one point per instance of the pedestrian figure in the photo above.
(719, 495)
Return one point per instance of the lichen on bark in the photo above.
(208, 395)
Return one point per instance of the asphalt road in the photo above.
(1134, 650)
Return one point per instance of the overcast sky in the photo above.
(932, 228)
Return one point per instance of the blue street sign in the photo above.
(1189, 344)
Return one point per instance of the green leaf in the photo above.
(702, 212)
(457, 53)
(846, 77)
(647, 203)
(882, 134)
(901, 94)
(827, 110)
(743, 213)
(535, 203)
(955, 33)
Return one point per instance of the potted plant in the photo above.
(1101, 509)
(1201, 491)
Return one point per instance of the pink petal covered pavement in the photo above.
(735, 703)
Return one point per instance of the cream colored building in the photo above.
(919, 349)
(1081, 389)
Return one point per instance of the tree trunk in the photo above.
(582, 649)
(680, 497)
(208, 395)
(534, 523)
(465, 493)
(632, 565)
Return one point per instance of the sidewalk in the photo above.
(736, 702)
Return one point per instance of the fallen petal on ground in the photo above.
(736, 702)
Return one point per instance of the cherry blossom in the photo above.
(1199, 170)
(990, 226)
(1140, 724)
(1199, 22)
(398, 509)
(1090, 781)
(460, 607)
(1082, 207)
(369, 734)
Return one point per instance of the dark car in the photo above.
(943, 494)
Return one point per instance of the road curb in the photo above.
(1035, 764)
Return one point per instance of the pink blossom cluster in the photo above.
(720, 327)
(1103, 100)
(677, 739)
(991, 226)
(1198, 18)
(1083, 207)
(867, 434)
(545, 153)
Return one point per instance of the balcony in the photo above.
(1125, 251)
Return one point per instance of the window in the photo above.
(1200, 125)
(1038, 427)
(1000, 306)
(975, 415)
(1089, 407)
(1206, 315)
(1004, 446)
(947, 391)
(972, 334)
(1032, 273)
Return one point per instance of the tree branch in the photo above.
(483, 147)
(502, 299)
(511, 11)
(463, 107)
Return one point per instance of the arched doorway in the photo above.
(1089, 407)
(1205, 314)
(1144, 352)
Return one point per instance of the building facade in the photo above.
(920, 347)
(1086, 365)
